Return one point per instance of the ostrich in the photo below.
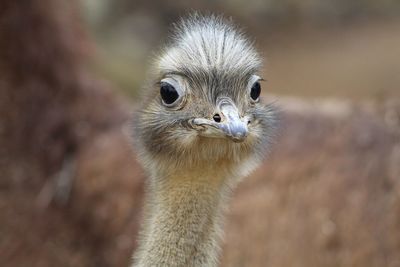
(201, 128)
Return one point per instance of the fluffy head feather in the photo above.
(207, 59)
(204, 48)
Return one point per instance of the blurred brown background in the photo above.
(70, 75)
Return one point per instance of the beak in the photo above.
(230, 124)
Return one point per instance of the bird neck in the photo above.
(183, 220)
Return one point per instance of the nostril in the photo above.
(248, 122)
(217, 117)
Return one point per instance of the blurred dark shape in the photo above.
(53, 115)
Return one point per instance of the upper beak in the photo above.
(230, 124)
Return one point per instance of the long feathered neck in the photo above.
(183, 219)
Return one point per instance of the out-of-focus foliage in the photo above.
(329, 43)
(263, 13)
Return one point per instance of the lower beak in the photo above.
(230, 124)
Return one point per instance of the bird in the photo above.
(201, 127)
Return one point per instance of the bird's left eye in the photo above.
(255, 91)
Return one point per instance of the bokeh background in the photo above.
(71, 191)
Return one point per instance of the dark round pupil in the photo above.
(255, 91)
(168, 93)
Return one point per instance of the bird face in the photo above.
(204, 103)
(217, 115)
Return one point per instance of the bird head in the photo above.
(204, 101)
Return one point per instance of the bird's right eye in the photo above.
(169, 94)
